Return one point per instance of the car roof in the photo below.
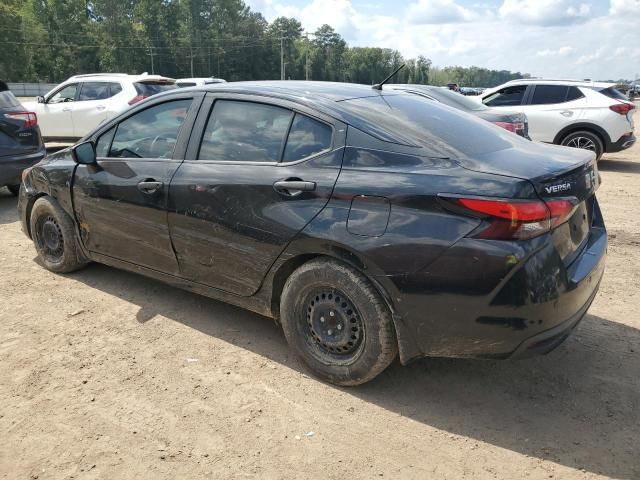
(116, 77)
(555, 81)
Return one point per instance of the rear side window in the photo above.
(115, 88)
(574, 94)
(7, 100)
(548, 94)
(307, 137)
(612, 93)
(151, 133)
(245, 132)
(93, 91)
(508, 96)
(146, 89)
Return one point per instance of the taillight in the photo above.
(512, 127)
(622, 108)
(30, 119)
(136, 99)
(510, 219)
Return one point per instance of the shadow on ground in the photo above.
(623, 166)
(8, 207)
(578, 406)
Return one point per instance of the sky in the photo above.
(597, 39)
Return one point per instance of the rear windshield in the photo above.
(151, 88)
(455, 99)
(413, 120)
(612, 92)
(8, 100)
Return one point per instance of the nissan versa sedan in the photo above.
(368, 222)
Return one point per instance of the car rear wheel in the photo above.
(585, 140)
(336, 321)
(14, 189)
(54, 237)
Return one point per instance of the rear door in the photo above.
(90, 108)
(120, 203)
(550, 108)
(258, 171)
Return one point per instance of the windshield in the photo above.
(413, 120)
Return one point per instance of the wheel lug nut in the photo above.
(330, 332)
(331, 313)
(322, 319)
(339, 327)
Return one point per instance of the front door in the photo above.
(256, 176)
(55, 115)
(120, 203)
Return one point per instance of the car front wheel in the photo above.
(337, 322)
(585, 140)
(54, 237)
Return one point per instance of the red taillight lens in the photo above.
(512, 127)
(136, 99)
(622, 108)
(30, 119)
(509, 219)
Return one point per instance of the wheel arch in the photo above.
(408, 349)
(590, 127)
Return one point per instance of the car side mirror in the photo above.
(40, 99)
(85, 153)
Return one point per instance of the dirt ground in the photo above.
(106, 374)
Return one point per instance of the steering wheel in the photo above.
(154, 141)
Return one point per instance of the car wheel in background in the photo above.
(54, 237)
(585, 140)
(337, 322)
(14, 189)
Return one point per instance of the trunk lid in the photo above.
(555, 173)
(15, 139)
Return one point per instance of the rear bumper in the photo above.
(472, 304)
(625, 141)
(11, 167)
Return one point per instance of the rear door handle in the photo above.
(68, 109)
(149, 186)
(293, 186)
(567, 113)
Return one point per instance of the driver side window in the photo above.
(507, 97)
(151, 133)
(66, 94)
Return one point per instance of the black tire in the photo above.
(586, 140)
(14, 189)
(318, 298)
(54, 237)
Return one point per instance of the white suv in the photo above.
(590, 115)
(81, 103)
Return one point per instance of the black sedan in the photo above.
(20, 141)
(515, 122)
(366, 221)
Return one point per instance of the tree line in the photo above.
(50, 40)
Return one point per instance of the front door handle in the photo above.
(293, 186)
(149, 186)
(68, 109)
(100, 107)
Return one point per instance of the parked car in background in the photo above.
(21, 145)
(514, 122)
(367, 221)
(453, 86)
(81, 103)
(193, 82)
(581, 114)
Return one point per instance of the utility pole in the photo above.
(191, 59)
(281, 56)
(306, 61)
(151, 54)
